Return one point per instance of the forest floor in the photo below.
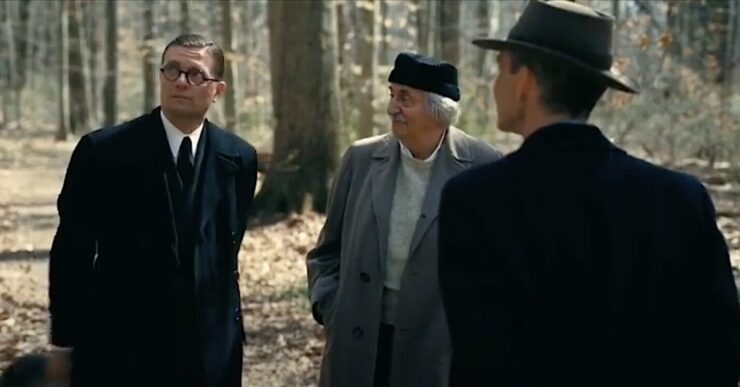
(283, 343)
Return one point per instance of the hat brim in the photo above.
(610, 78)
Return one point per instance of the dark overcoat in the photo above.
(571, 263)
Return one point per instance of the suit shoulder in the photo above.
(365, 147)
(111, 140)
(479, 151)
(113, 133)
(370, 143)
(482, 180)
(238, 144)
(667, 180)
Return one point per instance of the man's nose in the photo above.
(182, 81)
(393, 107)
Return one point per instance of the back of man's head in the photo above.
(563, 90)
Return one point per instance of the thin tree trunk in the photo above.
(617, 24)
(62, 68)
(343, 60)
(23, 47)
(149, 66)
(423, 25)
(12, 74)
(366, 58)
(79, 113)
(449, 31)
(304, 151)
(482, 66)
(94, 31)
(245, 48)
(111, 64)
(184, 16)
(231, 110)
(384, 37)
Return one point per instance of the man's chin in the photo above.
(399, 129)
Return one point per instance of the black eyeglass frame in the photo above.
(188, 74)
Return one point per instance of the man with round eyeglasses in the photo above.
(194, 77)
(143, 278)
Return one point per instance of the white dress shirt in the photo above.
(175, 136)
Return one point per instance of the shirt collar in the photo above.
(175, 136)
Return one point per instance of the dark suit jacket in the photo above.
(571, 263)
(114, 265)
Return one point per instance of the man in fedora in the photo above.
(570, 262)
(373, 273)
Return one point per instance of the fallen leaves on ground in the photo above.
(284, 344)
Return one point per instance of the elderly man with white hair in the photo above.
(373, 273)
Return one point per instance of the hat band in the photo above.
(601, 61)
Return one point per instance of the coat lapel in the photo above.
(219, 164)
(383, 170)
(453, 159)
(157, 159)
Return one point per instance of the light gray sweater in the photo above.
(412, 181)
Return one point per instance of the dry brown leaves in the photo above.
(283, 343)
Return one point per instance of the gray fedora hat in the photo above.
(571, 34)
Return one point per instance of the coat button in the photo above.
(364, 277)
(237, 314)
(357, 332)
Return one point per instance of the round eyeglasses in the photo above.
(192, 76)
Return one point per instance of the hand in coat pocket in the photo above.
(325, 308)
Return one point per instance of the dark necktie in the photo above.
(185, 162)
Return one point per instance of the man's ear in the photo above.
(522, 78)
(220, 89)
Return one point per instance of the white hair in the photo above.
(443, 109)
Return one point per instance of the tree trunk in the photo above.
(149, 68)
(483, 10)
(342, 32)
(231, 109)
(94, 31)
(184, 16)
(449, 31)
(365, 43)
(423, 26)
(304, 151)
(111, 64)
(617, 25)
(62, 68)
(23, 39)
(244, 47)
(12, 69)
(78, 113)
(482, 99)
(343, 57)
(385, 39)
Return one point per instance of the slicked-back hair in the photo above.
(200, 41)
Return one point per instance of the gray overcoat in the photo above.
(346, 268)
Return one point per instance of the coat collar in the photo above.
(567, 136)
(453, 141)
(454, 156)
